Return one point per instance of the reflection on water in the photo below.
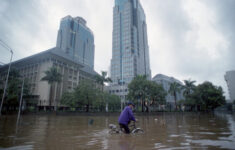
(162, 131)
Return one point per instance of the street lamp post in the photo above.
(122, 87)
(123, 95)
(122, 92)
(20, 105)
(4, 93)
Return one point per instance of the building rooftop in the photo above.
(55, 51)
(230, 71)
(164, 77)
(79, 20)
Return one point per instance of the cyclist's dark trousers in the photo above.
(126, 128)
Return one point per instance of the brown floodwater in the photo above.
(161, 131)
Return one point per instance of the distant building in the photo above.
(130, 50)
(76, 40)
(230, 79)
(32, 68)
(166, 81)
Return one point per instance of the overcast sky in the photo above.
(188, 39)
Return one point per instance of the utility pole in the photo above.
(21, 97)
(122, 85)
(4, 93)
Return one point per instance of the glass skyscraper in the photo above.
(76, 40)
(130, 51)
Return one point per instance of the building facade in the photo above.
(230, 79)
(166, 81)
(33, 70)
(130, 51)
(76, 40)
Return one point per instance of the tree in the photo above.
(188, 87)
(102, 79)
(114, 102)
(157, 94)
(208, 96)
(52, 76)
(1, 87)
(69, 99)
(14, 89)
(174, 89)
(137, 90)
(86, 94)
(1, 92)
(148, 92)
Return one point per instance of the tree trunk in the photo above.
(107, 107)
(50, 96)
(175, 101)
(147, 108)
(87, 106)
(55, 101)
(142, 105)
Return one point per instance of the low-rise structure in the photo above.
(230, 79)
(33, 69)
(166, 81)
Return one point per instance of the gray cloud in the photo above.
(213, 64)
(198, 39)
(171, 14)
(19, 25)
(226, 21)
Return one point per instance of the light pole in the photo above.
(4, 93)
(122, 91)
(122, 85)
(20, 105)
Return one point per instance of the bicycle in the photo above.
(133, 129)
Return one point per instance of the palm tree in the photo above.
(174, 89)
(52, 76)
(188, 87)
(102, 79)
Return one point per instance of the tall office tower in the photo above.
(130, 51)
(230, 79)
(76, 40)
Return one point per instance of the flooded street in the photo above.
(161, 131)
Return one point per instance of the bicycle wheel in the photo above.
(114, 131)
(138, 130)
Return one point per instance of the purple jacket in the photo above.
(126, 116)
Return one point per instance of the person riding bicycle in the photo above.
(126, 116)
